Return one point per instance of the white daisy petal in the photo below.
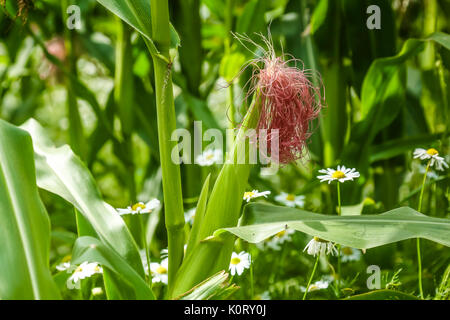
(140, 207)
(239, 262)
(254, 194)
(433, 156)
(319, 246)
(342, 174)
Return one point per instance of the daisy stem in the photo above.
(339, 246)
(419, 258)
(311, 277)
(252, 290)
(144, 241)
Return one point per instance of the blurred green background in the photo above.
(386, 95)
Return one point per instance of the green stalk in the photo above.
(77, 139)
(419, 258)
(429, 26)
(229, 25)
(123, 91)
(339, 246)
(124, 97)
(171, 178)
(252, 289)
(311, 277)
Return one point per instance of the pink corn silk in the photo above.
(289, 102)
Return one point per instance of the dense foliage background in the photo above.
(386, 95)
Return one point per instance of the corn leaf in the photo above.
(92, 250)
(261, 221)
(61, 172)
(24, 224)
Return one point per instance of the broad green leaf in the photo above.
(261, 221)
(213, 288)
(198, 219)
(24, 223)
(354, 210)
(383, 295)
(137, 14)
(92, 250)
(63, 173)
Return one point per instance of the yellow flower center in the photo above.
(317, 239)
(97, 269)
(347, 251)
(432, 152)
(79, 269)
(281, 233)
(137, 205)
(235, 260)
(161, 270)
(249, 194)
(338, 174)
(290, 197)
(209, 156)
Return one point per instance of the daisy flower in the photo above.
(209, 157)
(189, 216)
(140, 207)
(254, 194)
(432, 155)
(320, 246)
(290, 200)
(350, 254)
(280, 238)
(159, 271)
(97, 291)
(239, 262)
(63, 266)
(341, 174)
(83, 271)
(318, 285)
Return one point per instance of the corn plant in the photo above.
(325, 176)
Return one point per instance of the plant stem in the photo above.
(311, 277)
(419, 258)
(171, 178)
(228, 39)
(77, 139)
(339, 246)
(252, 290)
